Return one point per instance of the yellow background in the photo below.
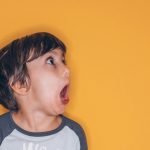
(109, 56)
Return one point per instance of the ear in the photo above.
(19, 89)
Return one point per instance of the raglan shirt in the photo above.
(68, 136)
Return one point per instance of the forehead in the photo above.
(56, 52)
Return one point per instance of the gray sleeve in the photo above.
(82, 137)
(5, 126)
(79, 132)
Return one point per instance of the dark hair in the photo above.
(13, 59)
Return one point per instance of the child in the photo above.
(34, 82)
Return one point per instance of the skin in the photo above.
(40, 106)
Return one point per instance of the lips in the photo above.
(64, 95)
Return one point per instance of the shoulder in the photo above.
(4, 119)
(4, 116)
(73, 124)
(79, 131)
(5, 126)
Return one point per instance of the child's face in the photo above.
(49, 75)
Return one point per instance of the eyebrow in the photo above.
(55, 53)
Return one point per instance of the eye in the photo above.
(50, 60)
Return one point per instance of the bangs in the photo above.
(40, 43)
(30, 47)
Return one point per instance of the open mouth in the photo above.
(64, 94)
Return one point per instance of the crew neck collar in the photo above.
(45, 133)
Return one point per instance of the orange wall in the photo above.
(109, 56)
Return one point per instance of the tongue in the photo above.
(64, 95)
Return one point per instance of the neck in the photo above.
(36, 121)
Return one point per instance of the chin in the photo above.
(60, 111)
(56, 112)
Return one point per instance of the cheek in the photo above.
(45, 87)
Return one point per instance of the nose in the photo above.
(66, 72)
